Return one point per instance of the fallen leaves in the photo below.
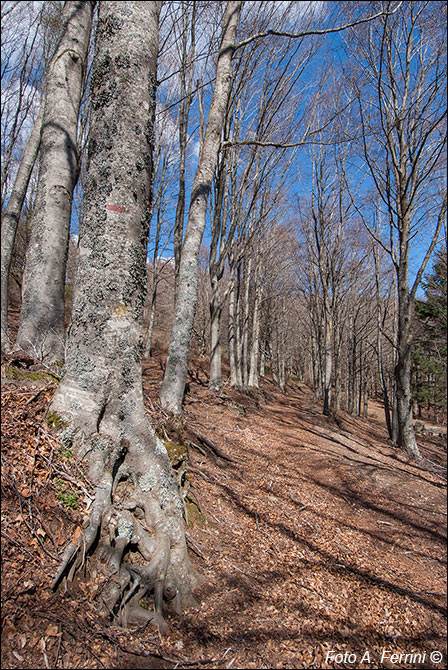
(304, 551)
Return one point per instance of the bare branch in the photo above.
(306, 33)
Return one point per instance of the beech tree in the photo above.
(100, 398)
(171, 395)
(11, 217)
(401, 90)
(27, 39)
(42, 329)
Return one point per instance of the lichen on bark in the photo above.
(136, 520)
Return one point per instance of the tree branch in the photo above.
(306, 33)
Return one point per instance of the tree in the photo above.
(100, 398)
(401, 91)
(42, 329)
(173, 386)
(429, 360)
(11, 217)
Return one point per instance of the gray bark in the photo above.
(186, 99)
(173, 386)
(245, 326)
(255, 344)
(215, 381)
(406, 435)
(11, 217)
(100, 396)
(328, 358)
(41, 330)
(235, 378)
(379, 346)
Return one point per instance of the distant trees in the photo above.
(400, 85)
(285, 169)
(252, 118)
(430, 350)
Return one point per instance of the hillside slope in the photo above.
(316, 537)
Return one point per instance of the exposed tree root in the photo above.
(136, 528)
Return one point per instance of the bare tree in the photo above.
(172, 391)
(10, 220)
(100, 396)
(42, 331)
(401, 89)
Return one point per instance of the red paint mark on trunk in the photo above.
(116, 208)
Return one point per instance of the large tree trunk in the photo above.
(11, 217)
(41, 331)
(173, 386)
(100, 396)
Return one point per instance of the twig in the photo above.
(200, 473)
(267, 534)
(194, 546)
(212, 447)
(18, 544)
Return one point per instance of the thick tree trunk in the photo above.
(41, 331)
(173, 386)
(11, 217)
(100, 396)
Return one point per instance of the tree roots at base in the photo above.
(136, 529)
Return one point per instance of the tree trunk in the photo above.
(11, 217)
(173, 386)
(100, 396)
(245, 329)
(41, 331)
(152, 313)
(406, 436)
(255, 346)
(238, 338)
(328, 360)
(186, 98)
(215, 382)
(379, 346)
(235, 373)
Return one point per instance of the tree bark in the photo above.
(215, 382)
(11, 217)
(255, 345)
(406, 435)
(173, 386)
(245, 325)
(41, 331)
(100, 396)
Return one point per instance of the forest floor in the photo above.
(322, 546)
